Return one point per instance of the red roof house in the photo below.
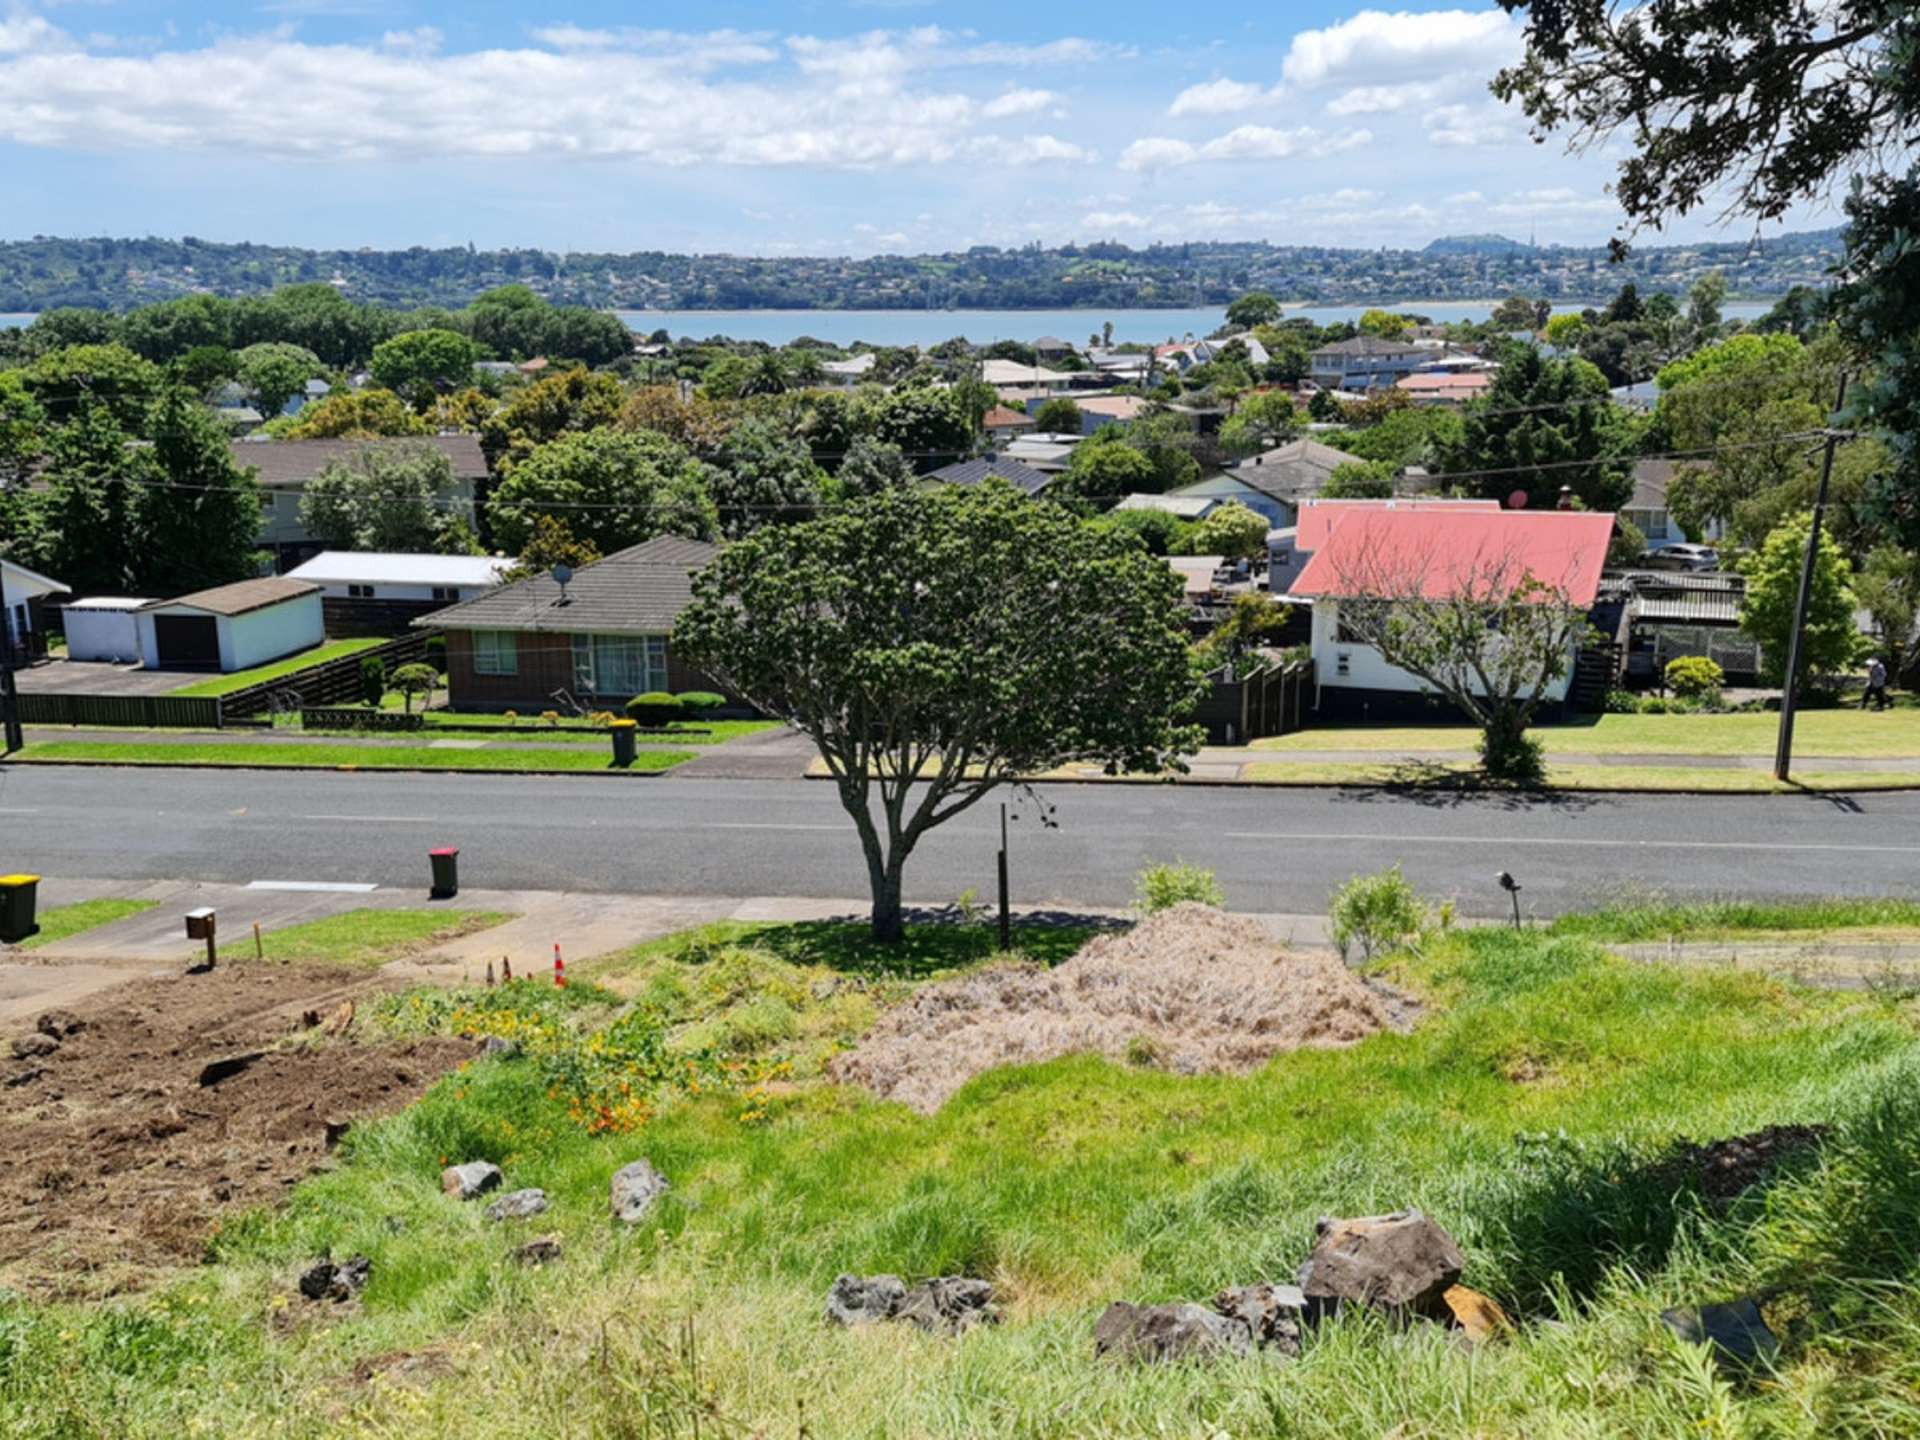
(1443, 554)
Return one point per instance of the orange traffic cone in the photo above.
(559, 966)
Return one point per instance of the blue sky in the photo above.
(823, 126)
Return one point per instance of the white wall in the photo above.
(1366, 669)
(384, 590)
(271, 632)
(101, 634)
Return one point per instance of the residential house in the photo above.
(1647, 510)
(1273, 483)
(372, 593)
(597, 641)
(1048, 453)
(284, 467)
(1290, 548)
(1099, 411)
(845, 374)
(1002, 424)
(231, 627)
(1015, 381)
(977, 471)
(1181, 507)
(1642, 395)
(1052, 347)
(1366, 362)
(1120, 367)
(1450, 388)
(1666, 616)
(23, 605)
(1443, 554)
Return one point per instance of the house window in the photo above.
(446, 592)
(495, 652)
(267, 499)
(624, 665)
(359, 592)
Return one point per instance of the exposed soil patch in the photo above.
(176, 1100)
(1192, 988)
(1724, 1168)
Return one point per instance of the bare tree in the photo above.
(1483, 631)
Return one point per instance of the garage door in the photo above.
(187, 642)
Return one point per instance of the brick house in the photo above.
(602, 640)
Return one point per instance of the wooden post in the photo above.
(259, 951)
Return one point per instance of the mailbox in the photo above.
(200, 923)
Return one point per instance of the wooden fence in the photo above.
(324, 718)
(332, 682)
(1272, 702)
(188, 712)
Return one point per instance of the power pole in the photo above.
(1783, 748)
(9, 698)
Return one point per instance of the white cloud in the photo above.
(1465, 197)
(640, 95)
(1467, 127)
(1019, 102)
(1554, 200)
(1374, 47)
(1248, 142)
(1383, 99)
(1110, 220)
(1219, 97)
(1340, 199)
(1035, 150)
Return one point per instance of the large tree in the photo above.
(764, 474)
(200, 514)
(1756, 106)
(612, 488)
(90, 506)
(1260, 423)
(1830, 641)
(399, 497)
(938, 645)
(422, 364)
(357, 415)
(1544, 424)
(555, 405)
(275, 372)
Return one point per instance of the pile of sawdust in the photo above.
(1194, 989)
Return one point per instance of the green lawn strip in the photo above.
(849, 948)
(1847, 732)
(1455, 774)
(1522, 1114)
(344, 756)
(241, 679)
(64, 921)
(364, 937)
(1646, 920)
(705, 732)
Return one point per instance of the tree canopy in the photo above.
(937, 645)
(1830, 641)
(398, 497)
(612, 489)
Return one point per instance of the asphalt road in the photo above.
(1274, 850)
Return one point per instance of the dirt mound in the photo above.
(1724, 1168)
(176, 1100)
(1191, 989)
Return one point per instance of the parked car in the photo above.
(1682, 557)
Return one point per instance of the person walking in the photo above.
(1876, 695)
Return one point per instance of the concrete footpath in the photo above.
(583, 925)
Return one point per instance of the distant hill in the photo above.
(118, 274)
(1475, 245)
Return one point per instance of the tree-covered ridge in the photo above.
(46, 272)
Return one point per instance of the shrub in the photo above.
(1695, 677)
(1621, 702)
(1379, 911)
(437, 653)
(1659, 705)
(699, 704)
(412, 680)
(656, 707)
(1159, 887)
(373, 681)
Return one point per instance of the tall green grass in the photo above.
(1527, 1113)
(1655, 919)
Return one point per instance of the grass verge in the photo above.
(706, 732)
(1645, 920)
(1870, 734)
(364, 937)
(1529, 1114)
(341, 757)
(65, 921)
(1449, 775)
(241, 679)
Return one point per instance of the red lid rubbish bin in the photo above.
(446, 872)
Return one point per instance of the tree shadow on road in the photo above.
(1441, 787)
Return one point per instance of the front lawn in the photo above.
(1449, 774)
(1873, 734)
(364, 937)
(241, 679)
(1531, 1112)
(65, 921)
(320, 755)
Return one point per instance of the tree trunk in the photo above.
(888, 926)
(1505, 751)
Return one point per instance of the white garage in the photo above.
(233, 627)
(103, 627)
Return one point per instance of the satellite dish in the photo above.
(563, 576)
(1516, 501)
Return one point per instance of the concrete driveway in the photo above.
(93, 677)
